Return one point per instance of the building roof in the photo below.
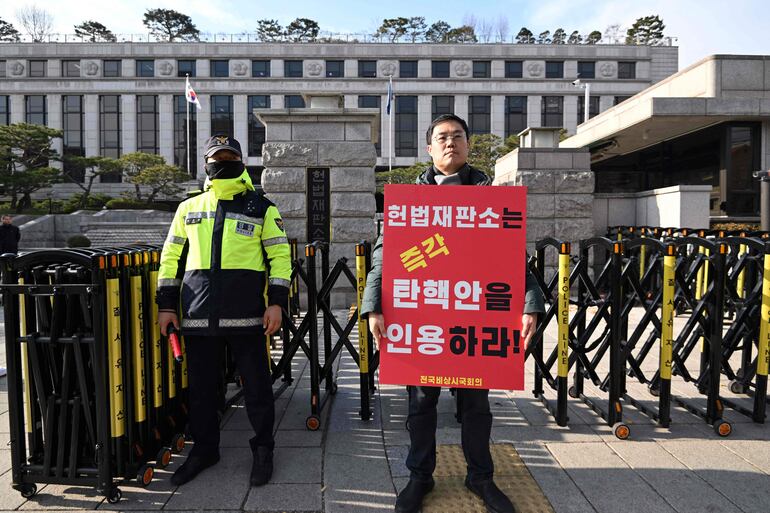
(716, 89)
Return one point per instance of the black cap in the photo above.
(221, 142)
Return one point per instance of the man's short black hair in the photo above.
(443, 118)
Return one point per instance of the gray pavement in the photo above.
(355, 466)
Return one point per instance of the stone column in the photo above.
(166, 127)
(54, 113)
(91, 124)
(340, 139)
(571, 112)
(18, 111)
(497, 115)
(534, 103)
(424, 118)
(128, 128)
(203, 129)
(241, 121)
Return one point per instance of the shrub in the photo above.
(78, 241)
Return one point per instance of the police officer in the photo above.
(447, 139)
(228, 255)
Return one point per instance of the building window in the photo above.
(481, 69)
(5, 110)
(407, 69)
(72, 128)
(439, 69)
(221, 115)
(37, 68)
(406, 126)
(35, 109)
(109, 132)
(335, 69)
(593, 108)
(220, 68)
(372, 102)
(620, 99)
(256, 128)
(586, 69)
(147, 123)
(441, 105)
(145, 68)
(260, 69)
(552, 110)
(554, 69)
(513, 69)
(2, 69)
(185, 68)
(70, 69)
(367, 69)
(181, 109)
(292, 69)
(293, 101)
(479, 114)
(626, 69)
(515, 115)
(111, 69)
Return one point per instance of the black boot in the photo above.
(410, 498)
(262, 466)
(494, 499)
(192, 467)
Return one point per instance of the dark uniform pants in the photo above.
(476, 430)
(205, 357)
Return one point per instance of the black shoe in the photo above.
(410, 498)
(192, 467)
(262, 466)
(494, 499)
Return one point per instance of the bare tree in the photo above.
(501, 28)
(35, 21)
(470, 20)
(613, 34)
(485, 29)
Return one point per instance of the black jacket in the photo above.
(9, 238)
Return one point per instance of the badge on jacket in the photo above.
(246, 229)
(279, 223)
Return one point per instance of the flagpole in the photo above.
(390, 124)
(187, 104)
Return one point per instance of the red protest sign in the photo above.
(453, 286)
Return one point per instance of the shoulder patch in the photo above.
(279, 223)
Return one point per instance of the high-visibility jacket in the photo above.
(227, 253)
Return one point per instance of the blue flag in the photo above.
(390, 95)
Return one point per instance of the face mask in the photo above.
(223, 169)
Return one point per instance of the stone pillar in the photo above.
(323, 136)
(203, 129)
(424, 118)
(54, 113)
(497, 116)
(560, 186)
(128, 128)
(241, 121)
(534, 103)
(91, 124)
(18, 109)
(571, 112)
(166, 127)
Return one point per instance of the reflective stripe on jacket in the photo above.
(225, 249)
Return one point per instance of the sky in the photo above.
(703, 27)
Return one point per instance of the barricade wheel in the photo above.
(313, 423)
(572, 392)
(114, 496)
(723, 428)
(28, 490)
(406, 425)
(177, 443)
(621, 431)
(163, 458)
(144, 475)
(737, 387)
(333, 389)
(655, 392)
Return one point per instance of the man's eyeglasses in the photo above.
(445, 138)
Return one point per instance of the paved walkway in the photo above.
(356, 466)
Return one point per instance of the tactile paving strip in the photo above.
(511, 475)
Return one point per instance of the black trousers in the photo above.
(204, 371)
(476, 430)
